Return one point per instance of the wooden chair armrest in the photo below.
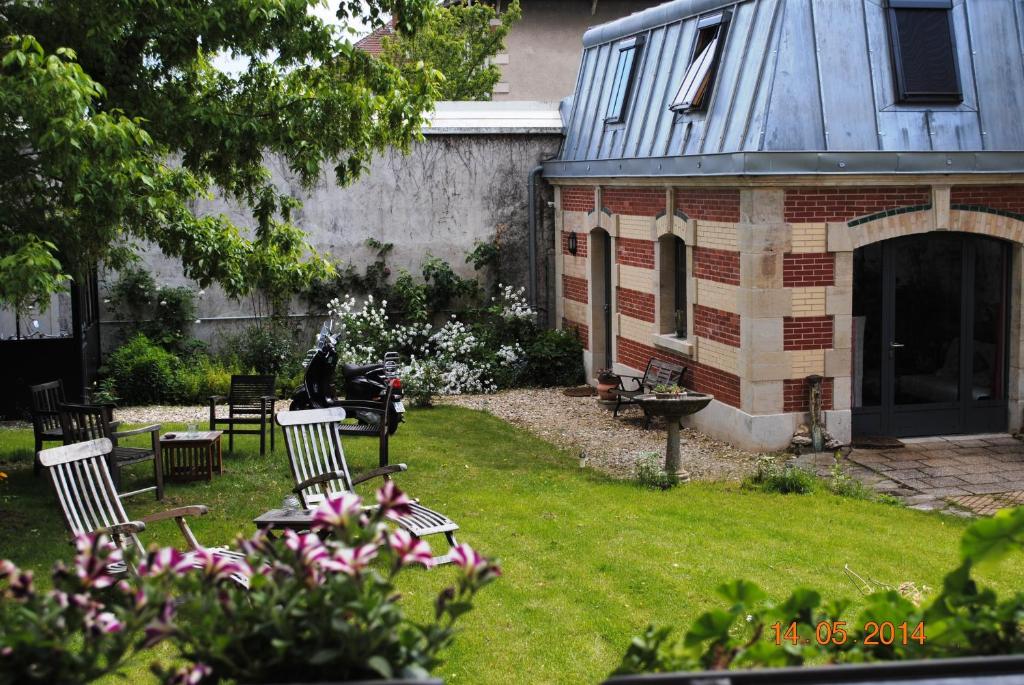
(177, 512)
(130, 528)
(381, 471)
(214, 399)
(317, 480)
(155, 428)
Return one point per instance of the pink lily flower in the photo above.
(410, 550)
(352, 561)
(219, 567)
(393, 500)
(337, 511)
(166, 560)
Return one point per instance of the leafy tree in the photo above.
(115, 122)
(459, 41)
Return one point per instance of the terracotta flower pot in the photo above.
(604, 390)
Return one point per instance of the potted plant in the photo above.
(668, 392)
(607, 380)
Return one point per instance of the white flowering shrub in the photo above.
(488, 349)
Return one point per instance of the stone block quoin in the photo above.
(709, 204)
(807, 205)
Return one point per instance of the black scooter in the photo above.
(370, 385)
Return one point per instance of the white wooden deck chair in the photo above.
(312, 439)
(91, 504)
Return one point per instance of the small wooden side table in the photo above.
(191, 456)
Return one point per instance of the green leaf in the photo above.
(991, 538)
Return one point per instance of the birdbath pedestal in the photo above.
(673, 408)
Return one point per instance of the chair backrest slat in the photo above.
(313, 443)
(81, 422)
(45, 399)
(246, 391)
(84, 487)
(660, 372)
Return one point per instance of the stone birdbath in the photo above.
(673, 407)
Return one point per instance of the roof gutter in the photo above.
(792, 163)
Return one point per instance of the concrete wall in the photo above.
(451, 191)
(548, 39)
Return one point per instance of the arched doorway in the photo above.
(930, 335)
(601, 297)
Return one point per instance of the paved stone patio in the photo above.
(979, 474)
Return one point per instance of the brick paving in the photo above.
(979, 474)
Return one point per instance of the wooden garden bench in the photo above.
(312, 439)
(90, 503)
(250, 403)
(658, 372)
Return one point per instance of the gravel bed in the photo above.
(610, 444)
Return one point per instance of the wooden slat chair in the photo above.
(250, 403)
(90, 503)
(312, 439)
(658, 372)
(45, 400)
(81, 422)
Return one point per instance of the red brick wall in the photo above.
(721, 266)
(700, 377)
(574, 288)
(635, 252)
(717, 325)
(581, 244)
(578, 198)
(1005, 198)
(795, 392)
(807, 269)
(636, 304)
(581, 330)
(709, 204)
(635, 201)
(803, 205)
(807, 333)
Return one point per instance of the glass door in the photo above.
(929, 335)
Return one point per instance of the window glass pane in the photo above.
(620, 86)
(926, 55)
(680, 288)
(988, 364)
(867, 326)
(695, 82)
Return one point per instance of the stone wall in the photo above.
(451, 191)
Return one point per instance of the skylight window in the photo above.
(623, 82)
(924, 51)
(695, 90)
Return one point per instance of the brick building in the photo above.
(766, 190)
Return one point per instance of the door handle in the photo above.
(895, 345)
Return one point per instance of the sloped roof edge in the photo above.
(649, 18)
(791, 163)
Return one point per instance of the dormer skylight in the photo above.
(924, 51)
(623, 83)
(695, 90)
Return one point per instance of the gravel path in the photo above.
(579, 423)
(610, 444)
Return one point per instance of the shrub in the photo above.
(319, 608)
(648, 473)
(554, 358)
(163, 314)
(269, 349)
(202, 377)
(963, 619)
(144, 373)
(770, 476)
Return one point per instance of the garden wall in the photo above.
(450, 192)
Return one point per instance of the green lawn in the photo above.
(588, 561)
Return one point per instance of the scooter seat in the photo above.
(350, 370)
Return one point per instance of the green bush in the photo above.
(770, 476)
(163, 314)
(201, 377)
(553, 358)
(267, 349)
(145, 373)
(648, 473)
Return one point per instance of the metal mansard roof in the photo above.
(803, 86)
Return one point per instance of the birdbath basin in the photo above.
(673, 408)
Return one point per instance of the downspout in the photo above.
(531, 289)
